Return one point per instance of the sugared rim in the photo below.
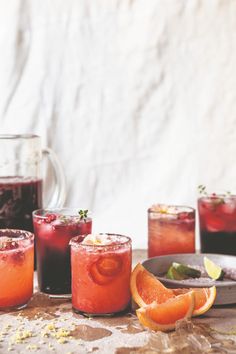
(66, 211)
(16, 235)
(18, 136)
(74, 241)
(162, 209)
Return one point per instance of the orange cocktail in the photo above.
(101, 268)
(171, 230)
(16, 268)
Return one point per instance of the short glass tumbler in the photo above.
(217, 222)
(171, 230)
(101, 275)
(54, 229)
(16, 268)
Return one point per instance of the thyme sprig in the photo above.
(202, 189)
(83, 214)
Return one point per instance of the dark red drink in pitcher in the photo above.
(19, 196)
(21, 185)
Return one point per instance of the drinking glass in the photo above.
(217, 221)
(16, 268)
(53, 230)
(101, 274)
(171, 230)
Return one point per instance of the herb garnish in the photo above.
(202, 189)
(83, 214)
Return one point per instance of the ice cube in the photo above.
(160, 342)
(184, 326)
(198, 342)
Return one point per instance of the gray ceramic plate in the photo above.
(226, 289)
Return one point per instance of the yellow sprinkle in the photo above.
(62, 333)
(62, 340)
(45, 333)
(51, 326)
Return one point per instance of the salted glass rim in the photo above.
(180, 208)
(40, 213)
(16, 235)
(74, 241)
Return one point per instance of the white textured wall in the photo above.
(138, 98)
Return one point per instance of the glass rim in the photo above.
(180, 208)
(73, 242)
(18, 136)
(38, 213)
(11, 233)
(210, 196)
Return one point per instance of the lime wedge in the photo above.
(186, 270)
(174, 274)
(214, 271)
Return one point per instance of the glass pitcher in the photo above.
(21, 182)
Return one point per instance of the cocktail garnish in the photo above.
(217, 198)
(213, 270)
(202, 189)
(83, 214)
(7, 243)
(178, 271)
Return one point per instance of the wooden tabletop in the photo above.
(48, 325)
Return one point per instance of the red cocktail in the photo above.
(217, 218)
(101, 267)
(171, 230)
(16, 268)
(53, 231)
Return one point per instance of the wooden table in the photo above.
(48, 325)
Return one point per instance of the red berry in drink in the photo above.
(50, 217)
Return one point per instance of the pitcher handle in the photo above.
(59, 195)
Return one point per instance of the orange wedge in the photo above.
(146, 288)
(204, 298)
(162, 317)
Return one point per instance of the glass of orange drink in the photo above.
(101, 269)
(16, 268)
(171, 230)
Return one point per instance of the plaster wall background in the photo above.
(137, 98)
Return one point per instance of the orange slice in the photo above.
(105, 269)
(146, 288)
(204, 298)
(162, 317)
(109, 265)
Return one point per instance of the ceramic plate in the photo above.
(226, 289)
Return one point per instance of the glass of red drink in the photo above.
(171, 230)
(53, 230)
(217, 221)
(16, 268)
(101, 268)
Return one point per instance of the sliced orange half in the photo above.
(162, 317)
(204, 298)
(146, 288)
